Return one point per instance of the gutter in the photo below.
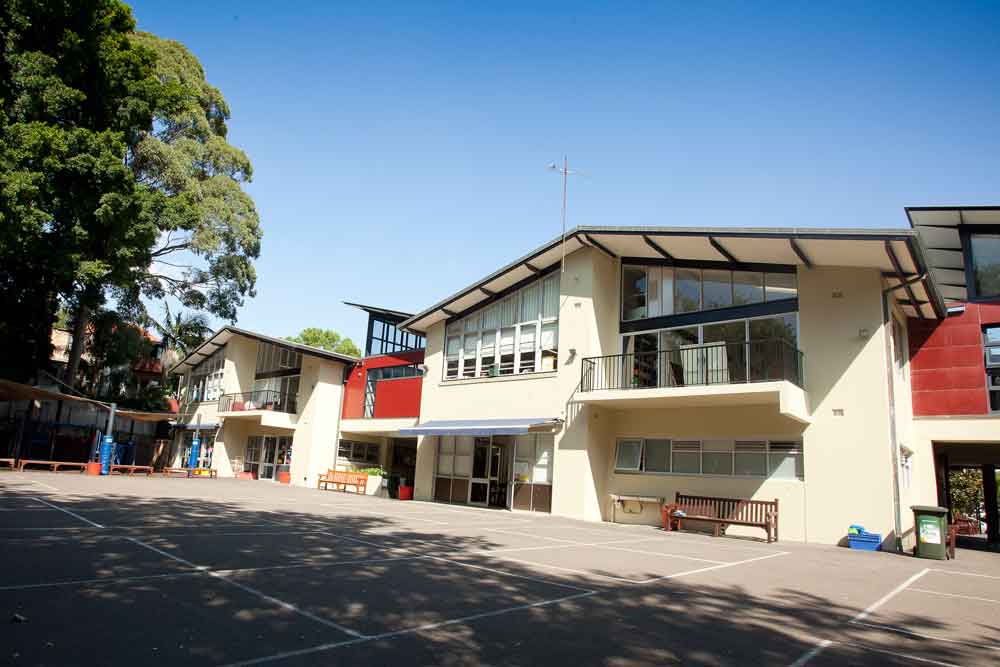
(894, 451)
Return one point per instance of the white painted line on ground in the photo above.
(537, 580)
(656, 553)
(377, 513)
(47, 486)
(587, 573)
(72, 514)
(407, 631)
(965, 574)
(860, 616)
(952, 595)
(249, 589)
(711, 568)
(904, 631)
(826, 643)
(464, 619)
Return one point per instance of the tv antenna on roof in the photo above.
(566, 173)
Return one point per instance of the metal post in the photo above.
(195, 445)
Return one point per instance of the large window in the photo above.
(384, 337)
(272, 358)
(518, 334)
(991, 347)
(754, 350)
(656, 291)
(984, 252)
(206, 379)
(776, 459)
(358, 454)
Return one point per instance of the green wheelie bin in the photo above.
(931, 526)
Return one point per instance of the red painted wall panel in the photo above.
(947, 368)
(403, 401)
(398, 398)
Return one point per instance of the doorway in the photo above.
(490, 472)
(502, 471)
(967, 481)
(266, 456)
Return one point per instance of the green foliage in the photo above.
(326, 339)
(74, 91)
(966, 487)
(191, 179)
(183, 331)
(375, 471)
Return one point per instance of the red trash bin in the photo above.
(406, 493)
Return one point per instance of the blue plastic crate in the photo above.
(865, 542)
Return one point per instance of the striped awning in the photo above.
(485, 426)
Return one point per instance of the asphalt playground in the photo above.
(136, 570)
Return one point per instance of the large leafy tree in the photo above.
(192, 180)
(116, 178)
(326, 339)
(74, 90)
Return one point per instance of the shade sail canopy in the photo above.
(485, 426)
(15, 391)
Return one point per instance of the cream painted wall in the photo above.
(762, 421)
(848, 463)
(320, 393)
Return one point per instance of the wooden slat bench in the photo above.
(54, 465)
(343, 479)
(724, 512)
(131, 469)
(9, 462)
(195, 472)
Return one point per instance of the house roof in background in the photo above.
(226, 333)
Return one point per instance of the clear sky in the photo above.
(399, 149)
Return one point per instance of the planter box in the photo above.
(284, 477)
(93, 468)
(374, 485)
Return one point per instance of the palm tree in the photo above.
(181, 333)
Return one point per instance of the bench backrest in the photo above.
(347, 477)
(736, 509)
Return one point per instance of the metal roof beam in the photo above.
(532, 268)
(722, 250)
(600, 246)
(797, 249)
(658, 248)
(897, 267)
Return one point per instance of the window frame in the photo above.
(992, 371)
(502, 313)
(733, 451)
(965, 234)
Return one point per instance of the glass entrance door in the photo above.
(479, 492)
(266, 456)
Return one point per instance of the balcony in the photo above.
(267, 406)
(716, 374)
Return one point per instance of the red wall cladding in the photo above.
(947, 368)
(394, 398)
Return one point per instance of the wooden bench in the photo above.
(343, 479)
(723, 512)
(190, 472)
(9, 462)
(54, 465)
(131, 469)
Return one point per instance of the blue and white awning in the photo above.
(485, 426)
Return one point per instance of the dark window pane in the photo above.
(986, 263)
(633, 292)
(687, 297)
(717, 289)
(778, 286)
(748, 287)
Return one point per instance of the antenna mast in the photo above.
(565, 172)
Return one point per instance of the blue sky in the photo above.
(400, 148)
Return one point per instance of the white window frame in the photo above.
(766, 454)
(472, 329)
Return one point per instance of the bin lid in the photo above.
(933, 509)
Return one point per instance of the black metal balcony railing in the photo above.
(714, 363)
(263, 399)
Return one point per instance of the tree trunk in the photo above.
(80, 322)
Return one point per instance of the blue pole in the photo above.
(193, 459)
